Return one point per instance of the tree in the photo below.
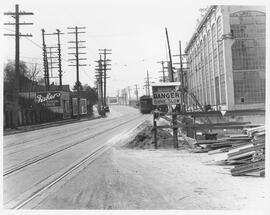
(27, 78)
(90, 93)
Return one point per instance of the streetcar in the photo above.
(146, 106)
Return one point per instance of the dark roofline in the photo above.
(210, 9)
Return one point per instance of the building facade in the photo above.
(226, 58)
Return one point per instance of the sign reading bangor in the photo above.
(166, 93)
(48, 99)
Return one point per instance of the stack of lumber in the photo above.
(245, 151)
(223, 144)
(251, 159)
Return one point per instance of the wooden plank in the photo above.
(245, 112)
(247, 168)
(249, 149)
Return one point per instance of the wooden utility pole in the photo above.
(60, 72)
(174, 116)
(129, 95)
(105, 52)
(45, 62)
(99, 77)
(170, 57)
(147, 84)
(181, 76)
(16, 15)
(58, 57)
(77, 60)
(163, 70)
(136, 93)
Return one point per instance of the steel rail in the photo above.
(43, 156)
(86, 159)
(65, 131)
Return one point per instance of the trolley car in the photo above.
(146, 106)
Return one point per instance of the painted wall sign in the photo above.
(166, 94)
(48, 99)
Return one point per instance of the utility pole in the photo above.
(45, 62)
(16, 15)
(174, 116)
(129, 95)
(99, 77)
(147, 84)
(163, 71)
(136, 93)
(59, 58)
(170, 57)
(58, 52)
(181, 76)
(77, 60)
(105, 52)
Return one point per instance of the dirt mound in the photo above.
(145, 139)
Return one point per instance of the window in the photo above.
(248, 56)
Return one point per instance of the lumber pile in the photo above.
(245, 151)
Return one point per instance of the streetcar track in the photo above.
(31, 194)
(65, 131)
(43, 156)
(66, 135)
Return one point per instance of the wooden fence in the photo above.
(31, 117)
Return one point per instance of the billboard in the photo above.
(166, 93)
(48, 99)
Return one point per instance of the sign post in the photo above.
(167, 94)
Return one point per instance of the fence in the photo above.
(31, 117)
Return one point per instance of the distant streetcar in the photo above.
(146, 106)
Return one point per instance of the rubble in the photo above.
(144, 139)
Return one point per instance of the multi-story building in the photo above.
(226, 58)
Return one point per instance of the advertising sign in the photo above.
(48, 99)
(166, 93)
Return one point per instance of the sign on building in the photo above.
(48, 99)
(166, 93)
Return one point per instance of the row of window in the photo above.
(206, 62)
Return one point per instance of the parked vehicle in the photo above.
(106, 109)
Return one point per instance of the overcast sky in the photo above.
(134, 30)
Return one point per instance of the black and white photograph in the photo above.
(134, 106)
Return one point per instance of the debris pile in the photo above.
(144, 139)
(245, 151)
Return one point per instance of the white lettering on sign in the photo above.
(48, 97)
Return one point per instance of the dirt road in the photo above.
(164, 179)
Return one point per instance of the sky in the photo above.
(133, 30)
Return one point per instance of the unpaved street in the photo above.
(36, 160)
(164, 179)
(86, 165)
